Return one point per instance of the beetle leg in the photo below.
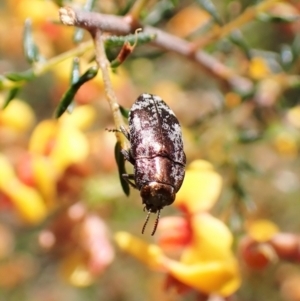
(125, 132)
(112, 130)
(127, 178)
(122, 130)
(127, 156)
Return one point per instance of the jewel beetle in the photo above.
(156, 153)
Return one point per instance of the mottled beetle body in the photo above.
(156, 152)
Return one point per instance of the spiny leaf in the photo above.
(286, 56)
(69, 95)
(11, 95)
(237, 38)
(209, 7)
(160, 11)
(75, 76)
(20, 76)
(141, 38)
(124, 112)
(79, 32)
(265, 17)
(249, 136)
(78, 35)
(31, 50)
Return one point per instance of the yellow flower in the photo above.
(258, 68)
(206, 262)
(62, 141)
(262, 230)
(10, 116)
(53, 147)
(200, 189)
(27, 200)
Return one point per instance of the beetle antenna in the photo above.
(156, 223)
(112, 130)
(146, 221)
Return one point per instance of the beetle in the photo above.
(156, 153)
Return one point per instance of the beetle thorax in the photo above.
(157, 195)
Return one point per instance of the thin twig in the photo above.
(136, 9)
(123, 25)
(248, 15)
(42, 67)
(103, 64)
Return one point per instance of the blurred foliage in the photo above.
(66, 226)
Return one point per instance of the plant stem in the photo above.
(103, 64)
(248, 15)
(41, 68)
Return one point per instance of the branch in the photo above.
(248, 15)
(40, 68)
(104, 65)
(125, 25)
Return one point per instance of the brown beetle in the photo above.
(156, 153)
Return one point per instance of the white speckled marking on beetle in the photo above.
(148, 114)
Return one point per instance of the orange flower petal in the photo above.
(201, 187)
(173, 234)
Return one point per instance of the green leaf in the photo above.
(141, 38)
(78, 35)
(121, 168)
(161, 10)
(89, 4)
(11, 95)
(237, 38)
(31, 51)
(209, 7)
(20, 76)
(244, 166)
(286, 55)
(79, 32)
(296, 45)
(124, 112)
(75, 73)
(59, 2)
(69, 95)
(249, 136)
(75, 76)
(174, 2)
(265, 17)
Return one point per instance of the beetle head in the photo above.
(157, 195)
